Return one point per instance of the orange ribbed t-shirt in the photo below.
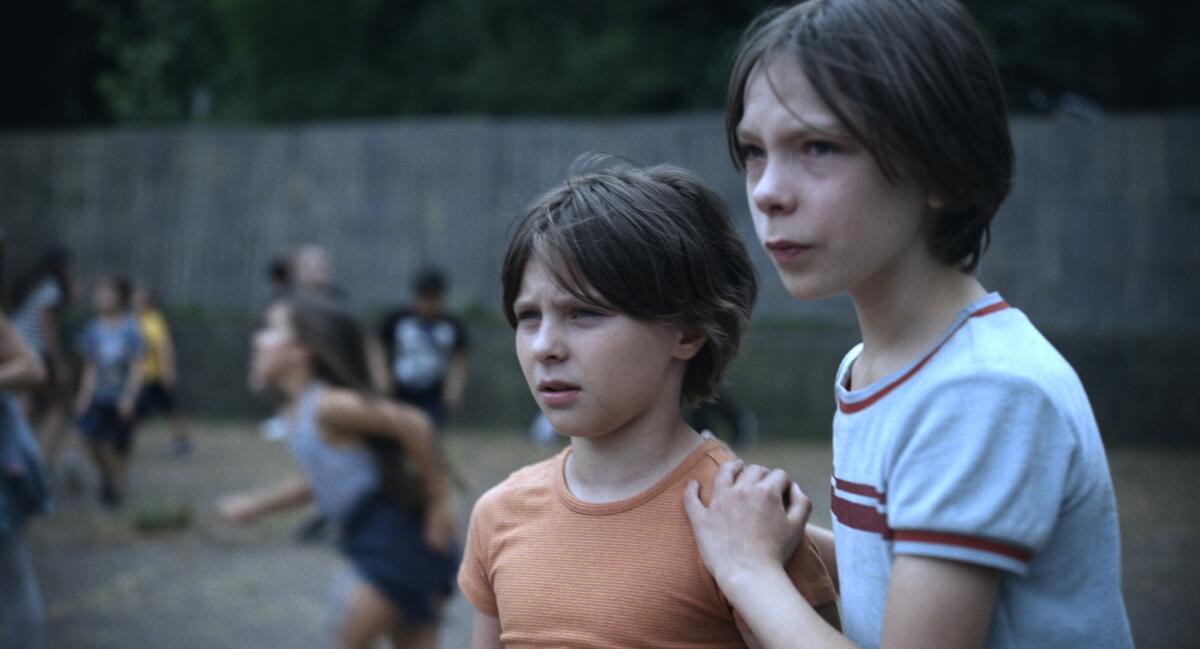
(560, 572)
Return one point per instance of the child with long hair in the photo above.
(370, 465)
(36, 299)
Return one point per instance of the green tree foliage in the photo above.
(136, 61)
(297, 60)
(162, 54)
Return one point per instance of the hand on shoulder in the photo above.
(753, 519)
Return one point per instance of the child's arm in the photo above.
(241, 509)
(932, 603)
(743, 539)
(456, 379)
(132, 386)
(377, 365)
(20, 366)
(346, 412)
(349, 413)
(487, 632)
(87, 383)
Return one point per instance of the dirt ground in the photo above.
(204, 585)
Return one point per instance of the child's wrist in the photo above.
(747, 577)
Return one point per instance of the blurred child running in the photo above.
(370, 465)
(111, 348)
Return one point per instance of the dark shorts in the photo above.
(155, 397)
(429, 400)
(101, 422)
(385, 544)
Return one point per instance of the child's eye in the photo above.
(750, 152)
(584, 312)
(528, 314)
(820, 148)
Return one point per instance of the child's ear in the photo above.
(690, 342)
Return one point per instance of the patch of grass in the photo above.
(161, 517)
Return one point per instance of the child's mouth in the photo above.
(557, 393)
(785, 251)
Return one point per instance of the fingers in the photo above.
(727, 473)
(751, 474)
(692, 505)
(777, 482)
(800, 507)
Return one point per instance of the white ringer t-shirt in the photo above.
(985, 451)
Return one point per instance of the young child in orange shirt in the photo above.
(629, 290)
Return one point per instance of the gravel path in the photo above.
(208, 585)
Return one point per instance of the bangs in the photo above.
(561, 257)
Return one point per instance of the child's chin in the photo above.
(256, 383)
(572, 430)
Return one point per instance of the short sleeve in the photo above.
(809, 575)
(808, 572)
(50, 295)
(474, 574)
(154, 331)
(980, 474)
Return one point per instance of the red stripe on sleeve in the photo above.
(859, 517)
(972, 542)
(858, 489)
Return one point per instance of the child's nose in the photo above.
(775, 193)
(548, 345)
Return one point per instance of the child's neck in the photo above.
(109, 317)
(625, 463)
(294, 384)
(902, 318)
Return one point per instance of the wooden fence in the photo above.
(1100, 232)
